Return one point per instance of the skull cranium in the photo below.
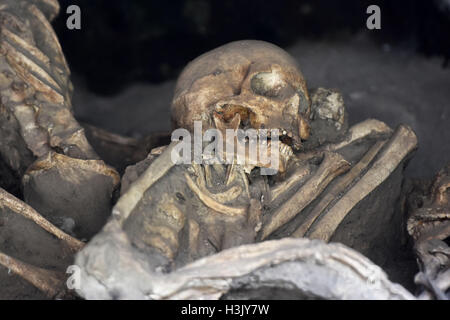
(256, 80)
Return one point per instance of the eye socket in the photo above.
(267, 84)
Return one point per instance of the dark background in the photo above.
(128, 54)
(141, 40)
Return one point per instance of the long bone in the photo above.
(367, 128)
(332, 166)
(361, 130)
(49, 282)
(28, 212)
(297, 176)
(337, 189)
(397, 149)
(152, 174)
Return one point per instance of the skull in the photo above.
(244, 84)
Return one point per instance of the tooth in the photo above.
(304, 129)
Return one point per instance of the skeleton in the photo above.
(168, 216)
(176, 214)
(42, 143)
(429, 226)
(233, 207)
(42, 147)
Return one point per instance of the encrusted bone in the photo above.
(37, 122)
(35, 86)
(429, 226)
(208, 279)
(19, 207)
(370, 127)
(208, 199)
(157, 169)
(332, 166)
(337, 189)
(298, 265)
(297, 176)
(402, 143)
(49, 282)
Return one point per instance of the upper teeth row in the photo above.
(268, 132)
(285, 149)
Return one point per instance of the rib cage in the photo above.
(35, 89)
